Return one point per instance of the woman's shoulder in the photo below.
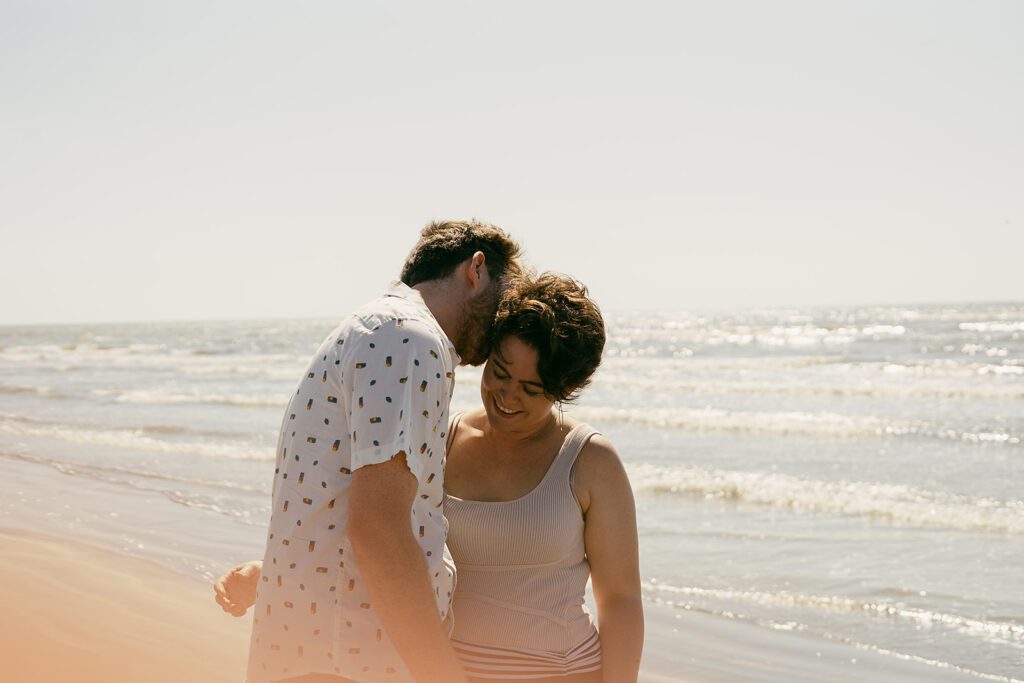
(599, 454)
(599, 470)
(470, 418)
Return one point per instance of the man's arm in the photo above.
(395, 571)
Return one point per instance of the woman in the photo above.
(537, 503)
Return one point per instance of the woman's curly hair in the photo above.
(553, 314)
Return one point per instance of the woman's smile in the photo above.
(511, 387)
(502, 410)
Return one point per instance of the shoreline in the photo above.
(79, 612)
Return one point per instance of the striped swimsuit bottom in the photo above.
(489, 661)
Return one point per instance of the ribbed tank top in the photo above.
(521, 576)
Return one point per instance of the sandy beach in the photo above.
(73, 613)
(77, 613)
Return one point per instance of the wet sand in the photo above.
(703, 648)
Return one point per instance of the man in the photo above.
(356, 581)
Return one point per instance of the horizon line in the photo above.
(608, 311)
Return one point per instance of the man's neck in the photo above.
(443, 305)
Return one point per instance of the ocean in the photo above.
(853, 474)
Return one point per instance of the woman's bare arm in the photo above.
(613, 551)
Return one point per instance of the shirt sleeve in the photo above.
(398, 395)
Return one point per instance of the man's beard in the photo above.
(473, 342)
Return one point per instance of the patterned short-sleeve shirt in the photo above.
(379, 384)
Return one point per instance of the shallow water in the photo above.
(852, 474)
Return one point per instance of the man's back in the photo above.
(378, 385)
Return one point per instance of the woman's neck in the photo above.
(518, 438)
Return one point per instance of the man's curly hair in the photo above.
(553, 314)
(443, 245)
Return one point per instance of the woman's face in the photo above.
(510, 387)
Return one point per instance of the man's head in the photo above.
(444, 245)
(476, 261)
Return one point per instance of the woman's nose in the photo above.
(508, 392)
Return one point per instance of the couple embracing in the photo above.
(408, 544)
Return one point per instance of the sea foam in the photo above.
(919, 618)
(135, 439)
(893, 503)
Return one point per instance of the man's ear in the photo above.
(477, 275)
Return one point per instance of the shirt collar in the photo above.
(399, 289)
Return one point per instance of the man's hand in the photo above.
(236, 590)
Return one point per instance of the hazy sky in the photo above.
(186, 160)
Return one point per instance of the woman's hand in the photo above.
(236, 590)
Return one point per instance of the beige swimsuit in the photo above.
(522, 574)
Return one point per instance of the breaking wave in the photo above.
(153, 397)
(893, 503)
(791, 423)
(920, 618)
(134, 438)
